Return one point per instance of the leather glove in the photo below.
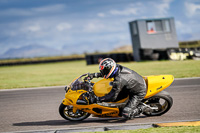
(90, 77)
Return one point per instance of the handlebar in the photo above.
(88, 82)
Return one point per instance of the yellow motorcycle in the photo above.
(78, 105)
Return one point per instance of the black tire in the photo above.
(155, 100)
(67, 113)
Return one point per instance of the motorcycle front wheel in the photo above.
(66, 111)
(162, 101)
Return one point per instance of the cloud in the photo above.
(15, 12)
(63, 26)
(187, 30)
(101, 14)
(161, 8)
(94, 27)
(49, 9)
(48, 32)
(126, 11)
(34, 28)
(192, 9)
(182, 27)
(164, 6)
(158, 8)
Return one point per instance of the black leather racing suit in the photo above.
(126, 82)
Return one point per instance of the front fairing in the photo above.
(98, 110)
(72, 96)
(76, 88)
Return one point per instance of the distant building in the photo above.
(152, 37)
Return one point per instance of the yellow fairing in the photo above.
(104, 111)
(72, 96)
(103, 87)
(157, 83)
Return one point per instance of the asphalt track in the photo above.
(37, 109)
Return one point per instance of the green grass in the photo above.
(3, 61)
(55, 74)
(159, 130)
(180, 69)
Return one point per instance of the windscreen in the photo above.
(79, 84)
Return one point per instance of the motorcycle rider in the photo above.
(126, 82)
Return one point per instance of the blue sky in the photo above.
(78, 26)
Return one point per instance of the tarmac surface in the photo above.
(36, 109)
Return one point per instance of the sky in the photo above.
(79, 26)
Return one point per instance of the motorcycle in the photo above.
(78, 102)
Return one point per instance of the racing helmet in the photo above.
(107, 67)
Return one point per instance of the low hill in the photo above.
(125, 48)
(30, 51)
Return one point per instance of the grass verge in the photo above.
(159, 130)
(55, 74)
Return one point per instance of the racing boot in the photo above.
(127, 113)
(136, 112)
(130, 113)
(140, 109)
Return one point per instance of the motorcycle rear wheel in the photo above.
(66, 111)
(163, 101)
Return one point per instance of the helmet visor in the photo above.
(105, 72)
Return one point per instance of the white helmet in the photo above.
(107, 67)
